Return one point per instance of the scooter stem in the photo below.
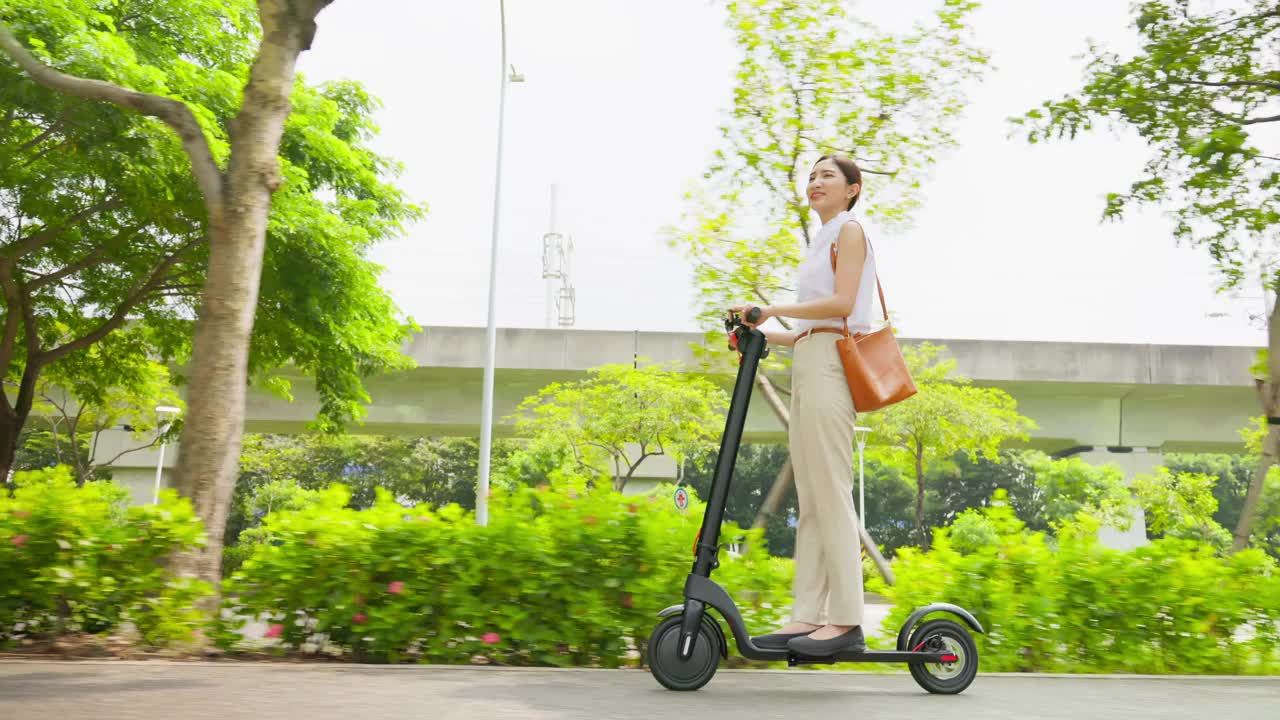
(751, 345)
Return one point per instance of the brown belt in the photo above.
(810, 331)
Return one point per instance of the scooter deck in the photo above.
(884, 656)
(866, 656)
(700, 589)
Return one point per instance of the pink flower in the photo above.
(275, 631)
(22, 514)
(395, 588)
(627, 602)
(19, 540)
(360, 618)
(491, 638)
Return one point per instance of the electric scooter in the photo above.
(686, 646)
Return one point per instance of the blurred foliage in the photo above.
(1069, 604)
(78, 559)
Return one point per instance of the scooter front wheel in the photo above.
(664, 656)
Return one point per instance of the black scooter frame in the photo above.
(700, 591)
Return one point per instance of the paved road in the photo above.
(226, 691)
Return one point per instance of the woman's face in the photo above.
(829, 191)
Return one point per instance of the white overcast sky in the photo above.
(620, 109)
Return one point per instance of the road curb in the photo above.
(312, 666)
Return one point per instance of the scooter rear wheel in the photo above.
(945, 636)
(664, 656)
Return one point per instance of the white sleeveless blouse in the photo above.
(816, 280)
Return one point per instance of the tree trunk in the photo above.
(778, 490)
(14, 417)
(9, 430)
(237, 205)
(1269, 398)
(1249, 511)
(209, 451)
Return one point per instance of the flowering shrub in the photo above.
(559, 576)
(78, 559)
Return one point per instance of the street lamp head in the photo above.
(516, 77)
(167, 409)
(861, 434)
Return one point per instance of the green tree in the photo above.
(948, 415)
(813, 78)
(887, 493)
(1180, 505)
(890, 500)
(755, 468)
(432, 471)
(1201, 92)
(611, 421)
(414, 470)
(1231, 474)
(971, 482)
(180, 139)
(77, 409)
(1072, 486)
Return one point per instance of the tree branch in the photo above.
(95, 465)
(849, 153)
(1256, 121)
(16, 299)
(40, 238)
(11, 319)
(1228, 83)
(48, 150)
(802, 218)
(88, 261)
(49, 131)
(138, 292)
(174, 113)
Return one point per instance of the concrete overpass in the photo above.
(1121, 403)
(1168, 397)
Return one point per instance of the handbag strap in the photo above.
(879, 289)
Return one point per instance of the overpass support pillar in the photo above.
(1133, 461)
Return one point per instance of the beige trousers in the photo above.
(828, 562)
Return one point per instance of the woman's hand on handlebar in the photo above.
(744, 311)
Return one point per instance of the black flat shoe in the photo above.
(776, 641)
(849, 641)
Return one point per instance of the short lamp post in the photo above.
(162, 412)
(861, 434)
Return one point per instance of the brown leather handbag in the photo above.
(873, 363)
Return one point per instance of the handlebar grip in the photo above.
(753, 315)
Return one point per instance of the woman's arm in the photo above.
(850, 258)
(785, 338)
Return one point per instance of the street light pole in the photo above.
(491, 331)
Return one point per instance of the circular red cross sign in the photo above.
(682, 499)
